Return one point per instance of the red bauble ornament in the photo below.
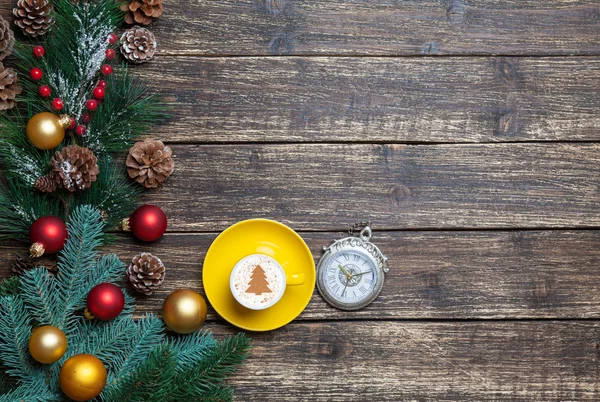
(81, 129)
(48, 235)
(106, 69)
(45, 91)
(73, 123)
(85, 118)
(36, 73)
(99, 93)
(112, 38)
(110, 54)
(57, 104)
(91, 105)
(105, 301)
(148, 223)
(102, 84)
(39, 52)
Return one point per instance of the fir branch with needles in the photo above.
(143, 363)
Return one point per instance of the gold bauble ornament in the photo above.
(46, 130)
(47, 344)
(184, 311)
(82, 377)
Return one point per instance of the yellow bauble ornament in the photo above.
(184, 311)
(82, 377)
(46, 130)
(47, 344)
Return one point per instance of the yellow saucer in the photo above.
(251, 237)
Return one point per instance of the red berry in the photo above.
(110, 54)
(91, 105)
(36, 74)
(85, 118)
(81, 130)
(45, 91)
(107, 69)
(99, 93)
(73, 123)
(112, 38)
(102, 84)
(57, 104)
(39, 52)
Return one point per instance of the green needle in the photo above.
(344, 270)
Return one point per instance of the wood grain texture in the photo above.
(385, 27)
(327, 187)
(433, 275)
(295, 99)
(402, 361)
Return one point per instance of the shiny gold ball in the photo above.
(184, 311)
(47, 344)
(82, 377)
(46, 130)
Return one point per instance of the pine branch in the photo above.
(14, 336)
(9, 286)
(208, 373)
(192, 348)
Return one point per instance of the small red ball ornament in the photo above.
(112, 38)
(147, 223)
(36, 73)
(105, 301)
(45, 91)
(102, 84)
(57, 104)
(106, 69)
(48, 235)
(91, 105)
(73, 123)
(110, 54)
(39, 52)
(85, 118)
(99, 93)
(81, 129)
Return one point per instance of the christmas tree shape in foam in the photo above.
(258, 284)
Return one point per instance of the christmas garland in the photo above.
(60, 150)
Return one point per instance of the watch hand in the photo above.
(344, 270)
(362, 273)
(345, 287)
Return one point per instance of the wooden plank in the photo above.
(327, 187)
(433, 275)
(401, 361)
(418, 100)
(385, 27)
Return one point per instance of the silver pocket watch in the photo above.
(351, 272)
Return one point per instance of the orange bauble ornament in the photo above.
(184, 311)
(46, 130)
(47, 344)
(82, 377)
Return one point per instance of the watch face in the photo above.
(349, 279)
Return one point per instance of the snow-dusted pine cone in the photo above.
(150, 163)
(138, 45)
(7, 38)
(73, 168)
(34, 17)
(142, 11)
(146, 272)
(9, 87)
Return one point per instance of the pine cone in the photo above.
(34, 17)
(7, 38)
(9, 87)
(73, 168)
(150, 163)
(138, 45)
(142, 11)
(22, 264)
(146, 272)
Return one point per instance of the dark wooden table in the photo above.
(467, 131)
